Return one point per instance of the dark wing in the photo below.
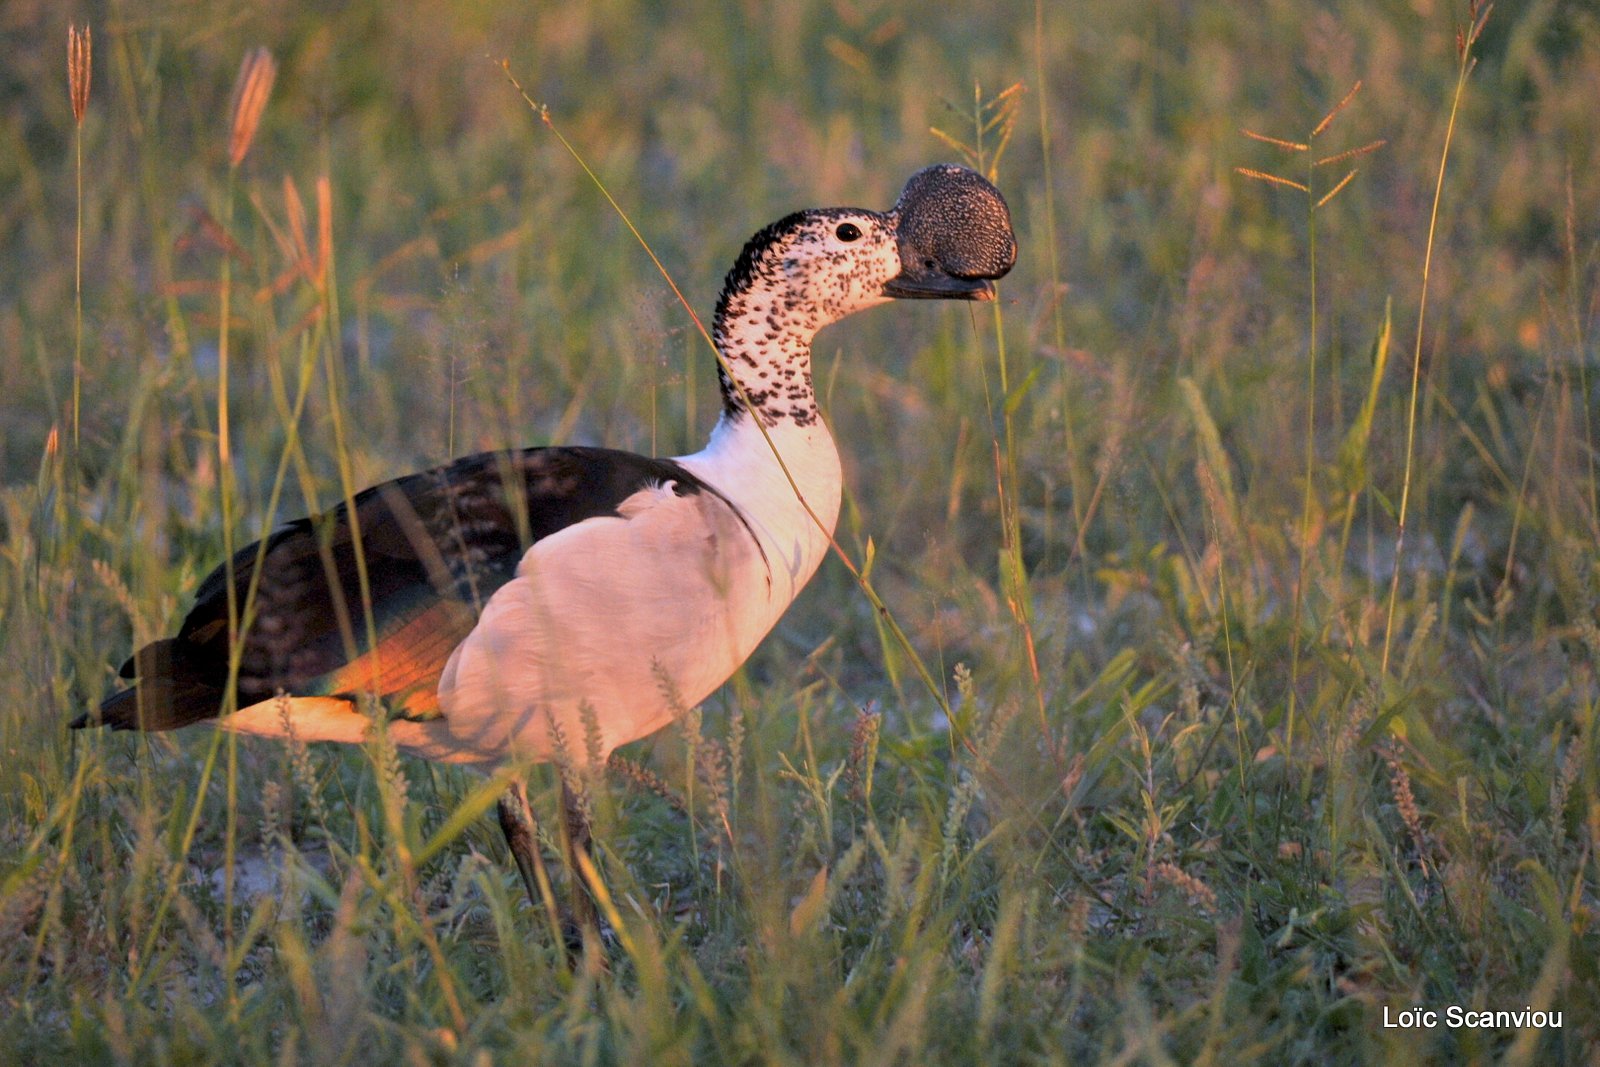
(376, 598)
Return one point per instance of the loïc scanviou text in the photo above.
(1456, 1017)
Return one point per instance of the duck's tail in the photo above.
(174, 688)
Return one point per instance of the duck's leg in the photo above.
(577, 838)
(522, 835)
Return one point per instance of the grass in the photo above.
(1216, 767)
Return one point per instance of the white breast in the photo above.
(613, 625)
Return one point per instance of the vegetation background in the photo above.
(1194, 784)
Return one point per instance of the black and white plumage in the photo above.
(437, 547)
(514, 594)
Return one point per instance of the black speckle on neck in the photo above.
(751, 265)
(767, 345)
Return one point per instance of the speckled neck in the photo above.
(766, 344)
(764, 336)
(765, 320)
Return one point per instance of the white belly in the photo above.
(614, 626)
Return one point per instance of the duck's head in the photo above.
(947, 238)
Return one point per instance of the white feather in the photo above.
(624, 622)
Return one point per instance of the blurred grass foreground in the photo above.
(1220, 766)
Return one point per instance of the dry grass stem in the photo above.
(998, 112)
(1331, 193)
(1261, 175)
(324, 228)
(1405, 800)
(1352, 153)
(1191, 886)
(1476, 16)
(80, 61)
(864, 735)
(645, 780)
(1290, 146)
(250, 92)
(300, 249)
(1327, 120)
(80, 67)
(1463, 70)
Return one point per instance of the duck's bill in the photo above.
(937, 285)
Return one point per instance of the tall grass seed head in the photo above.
(250, 92)
(80, 64)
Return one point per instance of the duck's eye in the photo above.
(848, 231)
